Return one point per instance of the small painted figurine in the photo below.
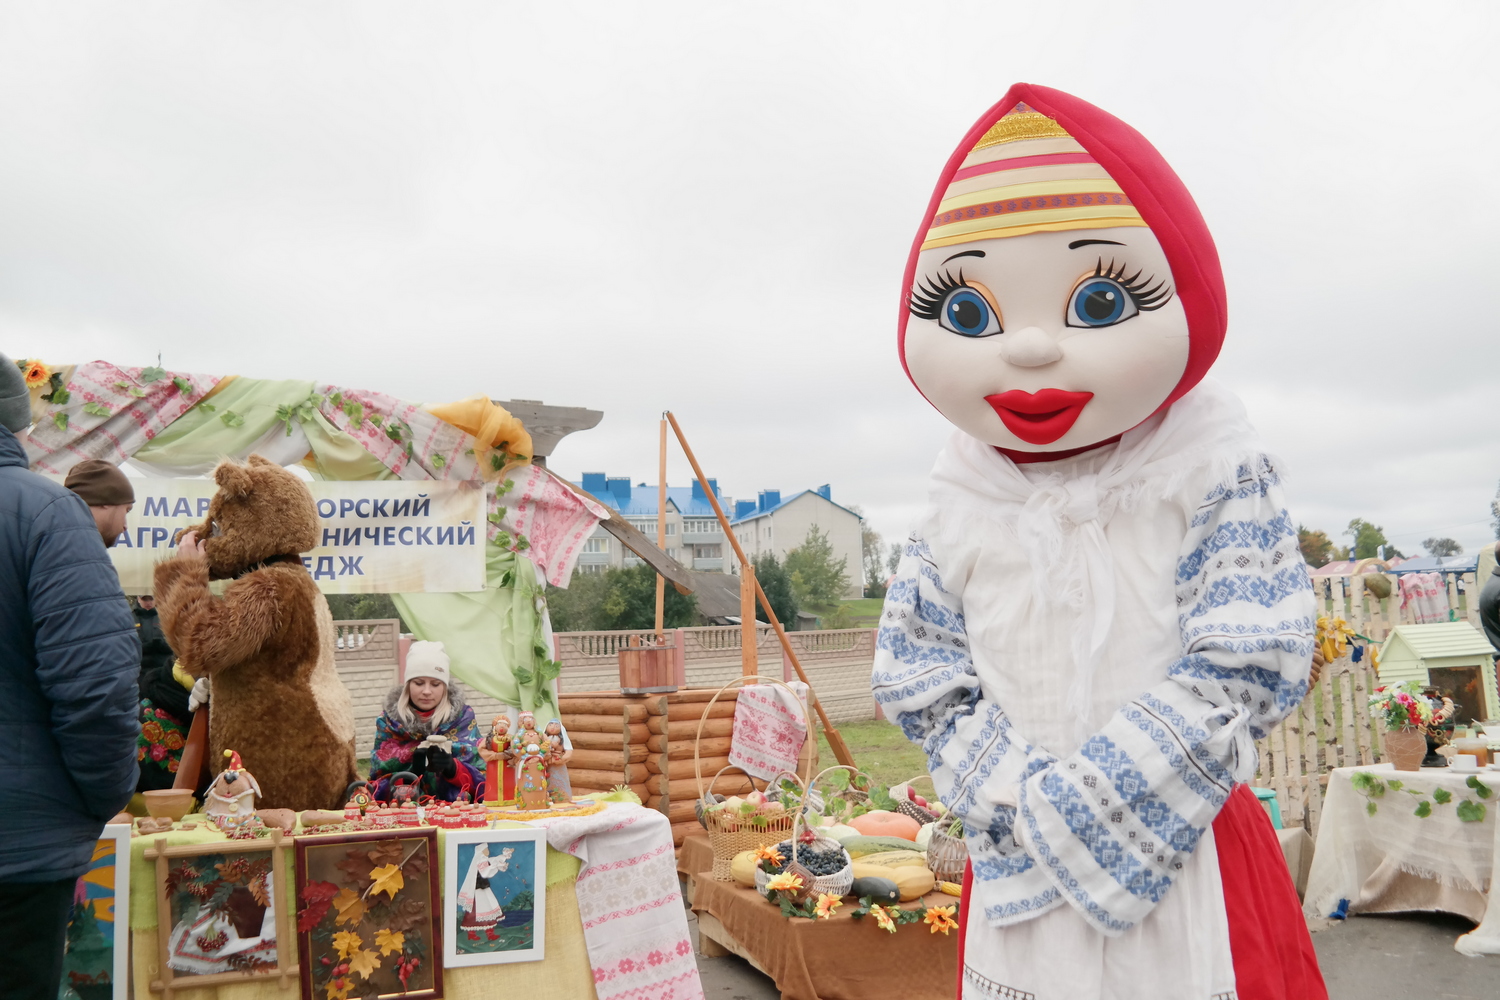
(495, 749)
(526, 734)
(230, 799)
(531, 783)
(559, 788)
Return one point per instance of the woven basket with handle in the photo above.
(840, 881)
(907, 807)
(731, 832)
(947, 855)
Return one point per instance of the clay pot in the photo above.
(171, 803)
(1405, 748)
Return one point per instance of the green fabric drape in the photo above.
(489, 634)
(337, 456)
(202, 435)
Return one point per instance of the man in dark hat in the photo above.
(108, 493)
(69, 660)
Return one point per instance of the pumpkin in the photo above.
(743, 868)
(880, 890)
(882, 823)
(913, 881)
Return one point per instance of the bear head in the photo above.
(260, 511)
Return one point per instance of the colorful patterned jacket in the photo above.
(396, 742)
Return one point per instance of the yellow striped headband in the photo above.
(1027, 175)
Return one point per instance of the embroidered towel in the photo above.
(1425, 593)
(634, 924)
(770, 726)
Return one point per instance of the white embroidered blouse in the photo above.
(1087, 649)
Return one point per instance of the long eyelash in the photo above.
(1145, 295)
(927, 298)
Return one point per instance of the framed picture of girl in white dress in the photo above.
(494, 896)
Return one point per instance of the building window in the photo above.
(591, 568)
(708, 552)
(671, 528)
(596, 545)
(701, 526)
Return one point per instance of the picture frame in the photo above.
(96, 960)
(494, 896)
(369, 915)
(216, 904)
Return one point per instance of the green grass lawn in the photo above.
(879, 750)
(865, 606)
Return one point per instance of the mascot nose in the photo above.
(1029, 347)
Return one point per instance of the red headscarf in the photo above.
(1152, 186)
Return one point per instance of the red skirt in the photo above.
(1268, 940)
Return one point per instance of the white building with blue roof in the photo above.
(767, 524)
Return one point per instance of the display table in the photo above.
(618, 856)
(836, 959)
(1393, 859)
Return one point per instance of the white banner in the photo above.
(393, 537)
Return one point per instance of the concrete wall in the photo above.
(837, 662)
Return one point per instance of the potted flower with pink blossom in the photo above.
(1405, 714)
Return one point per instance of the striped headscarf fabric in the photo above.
(1027, 175)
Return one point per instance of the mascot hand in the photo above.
(440, 762)
(199, 696)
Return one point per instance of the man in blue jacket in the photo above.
(69, 658)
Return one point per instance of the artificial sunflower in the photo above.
(883, 918)
(785, 882)
(827, 903)
(940, 918)
(35, 373)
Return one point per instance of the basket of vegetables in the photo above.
(738, 824)
(820, 863)
(909, 803)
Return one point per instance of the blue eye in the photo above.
(1100, 302)
(966, 313)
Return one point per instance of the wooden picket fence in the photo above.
(1332, 728)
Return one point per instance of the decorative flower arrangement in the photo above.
(1401, 707)
(889, 916)
(1333, 637)
(41, 376)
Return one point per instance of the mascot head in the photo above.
(261, 511)
(1063, 286)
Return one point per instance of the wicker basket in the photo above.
(947, 856)
(730, 834)
(907, 807)
(838, 883)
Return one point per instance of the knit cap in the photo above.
(15, 398)
(427, 659)
(100, 484)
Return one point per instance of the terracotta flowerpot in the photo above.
(1405, 748)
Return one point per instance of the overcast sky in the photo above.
(707, 207)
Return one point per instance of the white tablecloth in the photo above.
(1362, 857)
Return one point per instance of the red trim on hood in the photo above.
(1155, 190)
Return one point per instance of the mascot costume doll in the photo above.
(268, 643)
(1104, 605)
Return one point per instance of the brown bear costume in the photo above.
(268, 642)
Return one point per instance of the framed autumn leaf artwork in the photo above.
(494, 896)
(368, 915)
(220, 913)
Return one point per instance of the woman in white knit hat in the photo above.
(428, 728)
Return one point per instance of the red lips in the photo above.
(1039, 417)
